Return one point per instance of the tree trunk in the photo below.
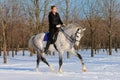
(31, 54)
(53, 53)
(37, 15)
(110, 26)
(12, 51)
(0, 47)
(68, 55)
(116, 47)
(23, 51)
(110, 44)
(66, 21)
(17, 48)
(0, 53)
(67, 1)
(16, 51)
(44, 14)
(23, 47)
(4, 45)
(92, 44)
(8, 47)
(12, 45)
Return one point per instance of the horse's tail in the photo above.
(30, 45)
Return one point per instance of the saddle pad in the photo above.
(46, 36)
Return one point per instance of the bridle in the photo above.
(73, 38)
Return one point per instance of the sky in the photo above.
(61, 6)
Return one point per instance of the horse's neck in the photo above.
(64, 35)
(69, 32)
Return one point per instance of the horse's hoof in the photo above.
(60, 71)
(52, 69)
(84, 70)
(37, 70)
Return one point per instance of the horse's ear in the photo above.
(84, 29)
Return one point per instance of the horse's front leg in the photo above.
(83, 64)
(60, 62)
(81, 59)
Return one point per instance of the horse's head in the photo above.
(78, 35)
(76, 32)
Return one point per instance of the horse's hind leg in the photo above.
(60, 62)
(45, 61)
(38, 61)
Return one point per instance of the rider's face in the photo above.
(54, 10)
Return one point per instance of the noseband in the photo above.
(77, 35)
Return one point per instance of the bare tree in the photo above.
(37, 14)
(46, 2)
(110, 10)
(0, 46)
(67, 6)
(31, 23)
(93, 18)
(4, 24)
(67, 20)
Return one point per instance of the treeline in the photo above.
(20, 19)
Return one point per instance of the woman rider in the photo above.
(54, 24)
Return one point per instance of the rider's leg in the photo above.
(47, 46)
(51, 33)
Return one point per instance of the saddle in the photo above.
(46, 37)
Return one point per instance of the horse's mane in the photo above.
(71, 26)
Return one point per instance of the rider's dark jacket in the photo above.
(54, 19)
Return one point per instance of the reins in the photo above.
(67, 36)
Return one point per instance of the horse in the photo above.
(68, 40)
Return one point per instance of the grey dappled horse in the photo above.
(67, 41)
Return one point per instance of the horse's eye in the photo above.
(77, 36)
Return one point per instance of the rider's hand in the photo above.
(58, 26)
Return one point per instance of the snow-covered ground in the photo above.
(100, 67)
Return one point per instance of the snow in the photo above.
(100, 67)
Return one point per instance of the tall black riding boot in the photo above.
(47, 46)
